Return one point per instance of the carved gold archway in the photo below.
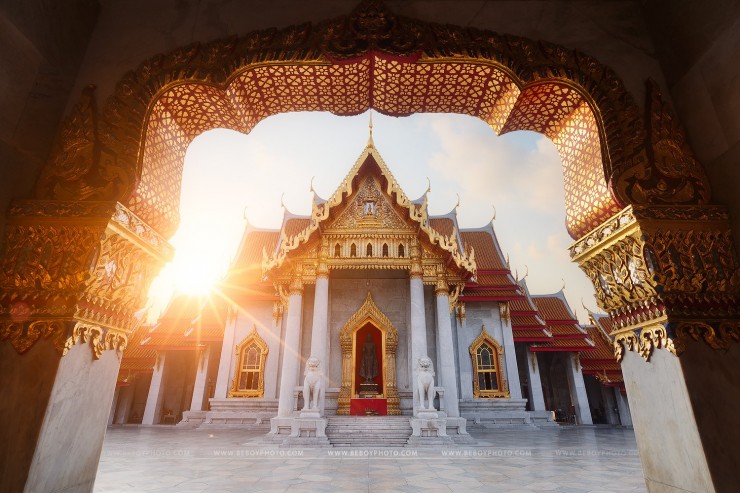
(369, 313)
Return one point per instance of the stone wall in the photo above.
(391, 295)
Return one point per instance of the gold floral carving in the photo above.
(717, 335)
(75, 271)
(104, 154)
(666, 171)
(643, 341)
(658, 266)
(417, 217)
(368, 313)
(100, 339)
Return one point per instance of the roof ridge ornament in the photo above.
(370, 142)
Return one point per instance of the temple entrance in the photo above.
(369, 343)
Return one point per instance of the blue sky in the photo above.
(228, 175)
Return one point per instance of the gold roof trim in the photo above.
(320, 212)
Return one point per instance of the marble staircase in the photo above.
(368, 431)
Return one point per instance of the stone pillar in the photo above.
(577, 387)
(125, 399)
(418, 316)
(200, 386)
(512, 370)
(668, 276)
(153, 409)
(223, 378)
(320, 324)
(536, 396)
(463, 355)
(291, 348)
(446, 373)
(114, 405)
(625, 418)
(612, 416)
(72, 276)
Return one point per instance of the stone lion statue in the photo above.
(425, 383)
(313, 384)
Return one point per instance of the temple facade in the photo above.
(368, 285)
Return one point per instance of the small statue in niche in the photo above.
(313, 385)
(369, 364)
(369, 208)
(425, 383)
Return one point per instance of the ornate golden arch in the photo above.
(369, 313)
(252, 338)
(503, 387)
(133, 149)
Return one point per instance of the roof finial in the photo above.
(282, 204)
(244, 214)
(526, 273)
(429, 186)
(311, 189)
(494, 213)
(563, 288)
(370, 142)
(508, 264)
(458, 202)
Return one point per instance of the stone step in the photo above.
(368, 431)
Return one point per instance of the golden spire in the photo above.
(370, 142)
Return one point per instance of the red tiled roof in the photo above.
(294, 226)
(553, 308)
(487, 255)
(443, 225)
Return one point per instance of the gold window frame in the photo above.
(252, 338)
(503, 388)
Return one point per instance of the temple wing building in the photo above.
(369, 284)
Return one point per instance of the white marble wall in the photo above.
(391, 295)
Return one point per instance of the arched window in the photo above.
(385, 249)
(400, 251)
(337, 250)
(369, 250)
(353, 250)
(249, 377)
(487, 379)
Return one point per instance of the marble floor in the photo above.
(568, 459)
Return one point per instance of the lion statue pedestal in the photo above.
(427, 427)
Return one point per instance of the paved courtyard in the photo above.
(572, 460)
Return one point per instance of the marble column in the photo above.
(291, 349)
(125, 398)
(153, 409)
(536, 396)
(612, 417)
(463, 355)
(319, 326)
(55, 411)
(227, 355)
(577, 387)
(418, 319)
(446, 374)
(201, 380)
(113, 407)
(625, 418)
(512, 370)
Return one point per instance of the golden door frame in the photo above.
(369, 313)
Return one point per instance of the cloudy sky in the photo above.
(228, 176)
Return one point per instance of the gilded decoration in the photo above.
(75, 272)
(368, 313)
(499, 386)
(244, 383)
(665, 274)
(132, 149)
(370, 216)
